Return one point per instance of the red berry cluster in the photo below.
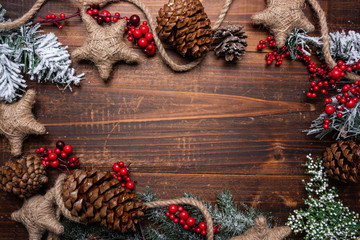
(59, 157)
(122, 174)
(103, 16)
(142, 37)
(348, 98)
(327, 78)
(178, 215)
(52, 18)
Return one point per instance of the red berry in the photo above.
(53, 16)
(182, 221)
(180, 208)
(190, 221)
(42, 149)
(150, 47)
(47, 163)
(43, 162)
(329, 109)
(172, 216)
(176, 220)
(198, 230)
(313, 95)
(95, 12)
(48, 16)
(143, 42)
(46, 158)
(145, 22)
(149, 36)
(339, 115)
(335, 74)
(119, 178)
(117, 15)
(144, 29)
(116, 167)
(123, 171)
(173, 208)
(130, 38)
(107, 19)
(328, 100)
(37, 150)
(167, 214)
(57, 151)
(327, 121)
(203, 232)
(137, 33)
(130, 185)
(90, 12)
(73, 159)
(325, 126)
(135, 20)
(121, 164)
(123, 184)
(202, 225)
(340, 63)
(308, 94)
(186, 227)
(63, 155)
(105, 13)
(67, 149)
(52, 156)
(184, 215)
(313, 84)
(259, 47)
(151, 52)
(350, 104)
(55, 163)
(128, 179)
(62, 15)
(50, 151)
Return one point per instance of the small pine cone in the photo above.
(342, 161)
(24, 177)
(186, 27)
(97, 197)
(231, 42)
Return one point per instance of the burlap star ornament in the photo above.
(260, 231)
(17, 121)
(104, 45)
(282, 17)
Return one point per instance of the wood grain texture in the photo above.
(235, 126)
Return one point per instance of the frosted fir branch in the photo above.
(345, 47)
(348, 126)
(325, 218)
(38, 55)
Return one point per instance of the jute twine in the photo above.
(17, 121)
(151, 22)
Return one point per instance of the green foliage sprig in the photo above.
(325, 218)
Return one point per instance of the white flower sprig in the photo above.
(325, 218)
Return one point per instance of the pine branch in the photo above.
(26, 50)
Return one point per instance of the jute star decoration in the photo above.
(17, 121)
(104, 45)
(282, 17)
(260, 231)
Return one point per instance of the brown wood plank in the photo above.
(234, 126)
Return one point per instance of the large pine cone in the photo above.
(342, 160)
(185, 26)
(231, 43)
(24, 177)
(96, 196)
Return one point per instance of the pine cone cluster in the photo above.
(342, 161)
(96, 196)
(231, 43)
(186, 27)
(24, 177)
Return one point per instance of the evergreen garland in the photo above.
(325, 218)
(234, 222)
(26, 50)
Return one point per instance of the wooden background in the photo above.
(234, 126)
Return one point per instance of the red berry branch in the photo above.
(178, 215)
(59, 157)
(52, 18)
(322, 79)
(122, 174)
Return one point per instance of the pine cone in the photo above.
(96, 196)
(231, 42)
(24, 177)
(341, 161)
(185, 26)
